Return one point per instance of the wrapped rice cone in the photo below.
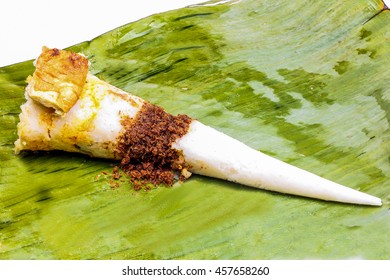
(71, 110)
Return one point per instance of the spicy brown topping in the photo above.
(146, 147)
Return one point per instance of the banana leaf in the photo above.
(304, 81)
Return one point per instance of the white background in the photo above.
(25, 26)
(278, 270)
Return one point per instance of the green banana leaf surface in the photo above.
(307, 82)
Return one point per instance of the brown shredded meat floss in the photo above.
(146, 147)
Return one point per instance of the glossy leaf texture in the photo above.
(304, 81)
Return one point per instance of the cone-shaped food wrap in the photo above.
(69, 109)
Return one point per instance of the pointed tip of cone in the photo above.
(361, 199)
(339, 193)
(373, 201)
(332, 191)
(348, 195)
